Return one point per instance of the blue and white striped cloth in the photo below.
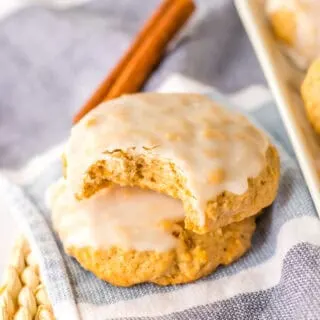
(279, 278)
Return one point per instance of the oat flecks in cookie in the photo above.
(217, 176)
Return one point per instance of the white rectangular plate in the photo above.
(284, 80)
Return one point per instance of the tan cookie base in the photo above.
(195, 256)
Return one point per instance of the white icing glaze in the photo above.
(306, 47)
(215, 148)
(128, 218)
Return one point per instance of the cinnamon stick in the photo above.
(151, 50)
(146, 51)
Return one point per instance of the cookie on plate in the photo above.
(310, 94)
(296, 24)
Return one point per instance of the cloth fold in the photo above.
(279, 278)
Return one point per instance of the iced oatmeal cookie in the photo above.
(182, 145)
(126, 235)
(310, 92)
(296, 24)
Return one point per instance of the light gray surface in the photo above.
(52, 60)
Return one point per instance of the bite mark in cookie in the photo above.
(192, 137)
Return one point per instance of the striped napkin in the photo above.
(279, 278)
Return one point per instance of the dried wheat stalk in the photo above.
(22, 294)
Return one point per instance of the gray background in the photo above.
(51, 60)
